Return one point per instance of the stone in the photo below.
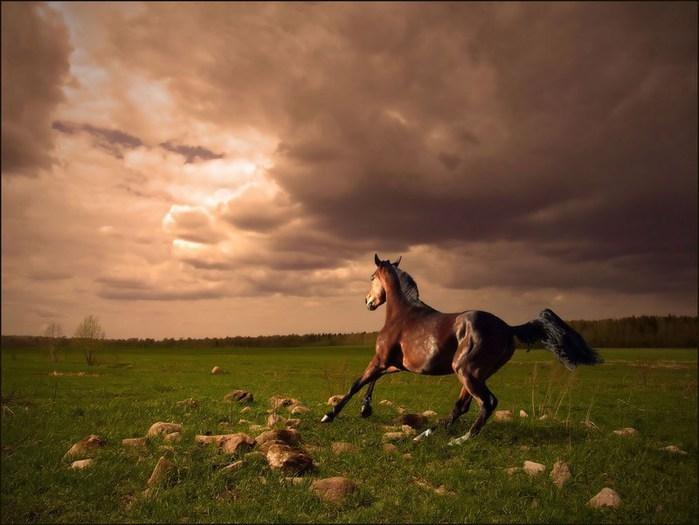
(160, 428)
(416, 421)
(162, 472)
(560, 473)
(235, 443)
(258, 428)
(605, 498)
(390, 448)
(393, 436)
(407, 455)
(292, 423)
(233, 467)
(512, 470)
(544, 417)
(228, 443)
(264, 447)
(217, 370)
(443, 491)
(503, 415)
(386, 402)
(81, 464)
(245, 410)
(289, 436)
(173, 437)
(134, 442)
(188, 403)
(532, 468)
(241, 396)
(288, 459)
(523, 413)
(279, 402)
(334, 400)
(255, 456)
(299, 410)
(85, 446)
(674, 449)
(408, 430)
(589, 424)
(625, 432)
(273, 419)
(334, 490)
(341, 447)
(244, 422)
(429, 413)
(440, 491)
(205, 440)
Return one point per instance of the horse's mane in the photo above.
(408, 288)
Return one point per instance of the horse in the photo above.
(473, 344)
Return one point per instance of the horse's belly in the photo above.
(431, 357)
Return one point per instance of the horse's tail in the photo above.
(567, 344)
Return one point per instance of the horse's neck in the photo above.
(396, 303)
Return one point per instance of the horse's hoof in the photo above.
(366, 410)
(459, 440)
(327, 418)
(423, 435)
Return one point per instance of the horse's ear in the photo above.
(398, 261)
(377, 260)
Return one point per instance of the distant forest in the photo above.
(629, 332)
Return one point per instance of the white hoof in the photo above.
(423, 435)
(326, 419)
(460, 440)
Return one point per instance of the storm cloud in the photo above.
(35, 65)
(515, 154)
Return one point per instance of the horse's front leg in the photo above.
(366, 410)
(371, 374)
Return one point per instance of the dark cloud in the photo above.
(49, 275)
(516, 154)
(112, 141)
(449, 124)
(191, 224)
(191, 153)
(35, 51)
(255, 210)
(159, 295)
(122, 283)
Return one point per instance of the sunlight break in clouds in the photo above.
(210, 169)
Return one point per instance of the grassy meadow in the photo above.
(652, 390)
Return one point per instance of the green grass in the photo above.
(653, 390)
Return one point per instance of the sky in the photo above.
(196, 169)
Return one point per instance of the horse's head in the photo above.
(377, 294)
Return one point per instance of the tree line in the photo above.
(669, 331)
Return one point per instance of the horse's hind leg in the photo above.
(485, 399)
(460, 407)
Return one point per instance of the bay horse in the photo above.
(473, 345)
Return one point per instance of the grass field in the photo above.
(652, 390)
